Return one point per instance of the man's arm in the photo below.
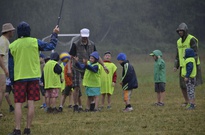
(194, 46)
(3, 66)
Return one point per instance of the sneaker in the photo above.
(11, 109)
(49, 110)
(70, 106)
(86, 110)
(27, 131)
(160, 104)
(15, 132)
(55, 110)
(108, 107)
(80, 109)
(96, 110)
(60, 109)
(1, 115)
(190, 107)
(75, 108)
(128, 109)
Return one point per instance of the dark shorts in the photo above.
(9, 89)
(159, 87)
(26, 90)
(67, 90)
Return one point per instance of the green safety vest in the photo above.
(183, 46)
(51, 79)
(25, 54)
(91, 79)
(193, 73)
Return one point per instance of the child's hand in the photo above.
(120, 83)
(158, 57)
(85, 61)
(185, 79)
(76, 58)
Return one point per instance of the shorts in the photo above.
(52, 93)
(92, 91)
(26, 90)
(42, 90)
(77, 78)
(9, 89)
(67, 90)
(126, 94)
(159, 87)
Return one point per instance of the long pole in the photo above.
(59, 17)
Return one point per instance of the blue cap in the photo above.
(121, 56)
(95, 55)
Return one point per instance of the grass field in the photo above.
(146, 119)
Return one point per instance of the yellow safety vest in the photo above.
(183, 46)
(193, 73)
(25, 54)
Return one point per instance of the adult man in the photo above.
(185, 41)
(24, 70)
(7, 33)
(81, 48)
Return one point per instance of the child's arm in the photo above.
(92, 68)
(57, 69)
(189, 68)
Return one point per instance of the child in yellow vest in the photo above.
(52, 82)
(189, 74)
(108, 80)
(91, 79)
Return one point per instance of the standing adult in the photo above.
(81, 48)
(24, 70)
(185, 41)
(7, 33)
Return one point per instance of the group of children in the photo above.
(58, 77)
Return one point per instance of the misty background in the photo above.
(130, 26)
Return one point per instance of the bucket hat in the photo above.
(7, 27)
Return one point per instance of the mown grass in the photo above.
(146, 119)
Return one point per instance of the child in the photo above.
(91, 79)
(67, 80)
(128, 81)
(108, 80)
(189, 74)
(42, 64)
(52, 82)
(9, 88)
(159, 76)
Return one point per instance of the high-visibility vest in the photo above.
(25, 52)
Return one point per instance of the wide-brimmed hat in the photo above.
(7, 27)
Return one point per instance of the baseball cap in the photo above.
(84, 32)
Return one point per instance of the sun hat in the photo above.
(84, 32)
(7, 27)
(121, 56)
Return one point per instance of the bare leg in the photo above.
(96, 101)
(2, 87)
(158, 97)
(76, 95)
(7, 98)
(103, 100)
(18, 115)
(162, 95)
(30, 113)
(70, 98)
(184, 92)
(109, 99)
(63, 98)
